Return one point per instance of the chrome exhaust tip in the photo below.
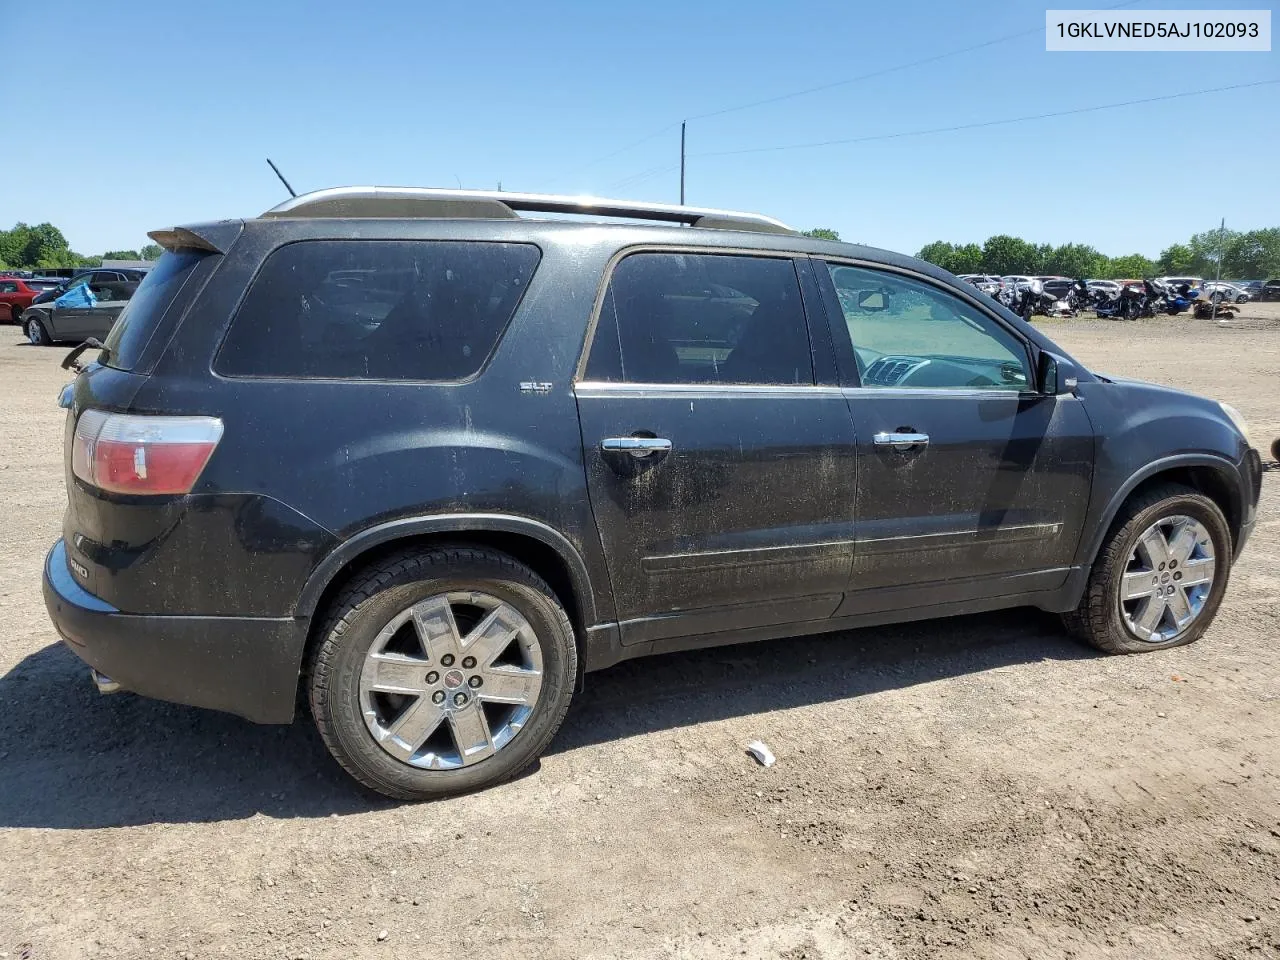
(104, 683)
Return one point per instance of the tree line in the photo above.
(43, 247)
(1254, 254)
(1251, 255)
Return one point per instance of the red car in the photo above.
(16, 295)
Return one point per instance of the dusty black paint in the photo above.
(772, 515)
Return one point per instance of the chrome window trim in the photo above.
(960, 294)
(694, 391)
(854, 393)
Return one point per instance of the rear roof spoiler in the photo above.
(215, 237)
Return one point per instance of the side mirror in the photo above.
(1056, 375)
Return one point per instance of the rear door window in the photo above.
(377, 309)
(694, 318)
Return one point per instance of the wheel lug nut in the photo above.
(438, 697)
(1172, 564)
(459, 699)
(474, 682)
(447, 659)
(1178, 575)
(468, 662)
(1162, 566)
(432, 677)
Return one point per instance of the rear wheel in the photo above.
(37, 334)
(1160, 576)
(442, 671)
(15, 313)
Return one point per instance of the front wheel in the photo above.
(1160, 576)
(442, 671)
(37, 334)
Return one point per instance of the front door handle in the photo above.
(638, 447)
(901, 441)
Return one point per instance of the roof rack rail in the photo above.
(427, 202)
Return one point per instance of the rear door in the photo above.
(99, 319)
(970, 483)
(721, 472)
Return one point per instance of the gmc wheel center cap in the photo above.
(453, 679)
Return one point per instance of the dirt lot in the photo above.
(977, 787)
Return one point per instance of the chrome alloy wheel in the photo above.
(451, 680)
(1167, 579)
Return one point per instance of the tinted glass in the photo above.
(377, 310)
(906, 333)
(8, 287)
(147, 304)
(692, 318)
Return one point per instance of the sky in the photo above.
(166, 117)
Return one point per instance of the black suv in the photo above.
(434, 460)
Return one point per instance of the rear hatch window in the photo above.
(138, 321)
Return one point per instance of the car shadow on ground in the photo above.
(73, 759)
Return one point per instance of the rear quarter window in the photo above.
(148, 302)
(377, 310)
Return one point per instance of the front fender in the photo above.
(1090, 546)
(1145, 430)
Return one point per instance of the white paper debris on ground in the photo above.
(761, 753)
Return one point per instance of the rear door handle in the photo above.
(901, 441)
(638, 447)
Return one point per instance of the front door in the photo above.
(970, 483)
(721, 476)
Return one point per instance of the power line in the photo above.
(983, 123)
(621, 150)
(882, 72)
(825, 86)
(642, 175)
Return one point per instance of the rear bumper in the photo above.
(242, 665)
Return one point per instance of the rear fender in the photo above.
(404, 528)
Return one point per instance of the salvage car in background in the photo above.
(76, 318)
(1229, 292)
(91, 275)
(16, 294)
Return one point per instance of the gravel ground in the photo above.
(973, 787)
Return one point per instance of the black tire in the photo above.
(378, 594)
(15, 314)
(1097, 620)
(37, 334)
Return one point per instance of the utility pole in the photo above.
(682, 125)
(1222, 252)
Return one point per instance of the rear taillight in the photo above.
(128, 453)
